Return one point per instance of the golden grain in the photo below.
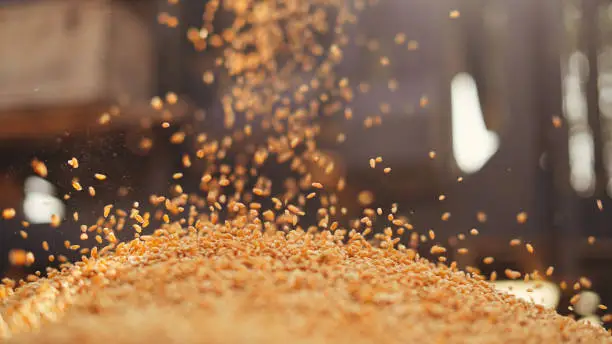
(8, 213)
(39, 168)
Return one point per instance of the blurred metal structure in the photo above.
(71, 60)
(513, 52)
(64, 64)
(588, 62)
(519, 54)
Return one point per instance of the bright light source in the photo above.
(546, 294)
(40, 203)
(587, 304)
(582, 162)
(581, 139)
(574, 100)
(587, 307)
(473, 144)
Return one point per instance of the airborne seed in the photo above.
(8, 213)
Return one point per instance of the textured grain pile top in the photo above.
(257, 277)
(230, 284)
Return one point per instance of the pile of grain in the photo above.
(230, 284)
(232, 264)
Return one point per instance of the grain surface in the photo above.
(230, 284)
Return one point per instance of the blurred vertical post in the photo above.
(169, 46)
(590, 43)
(564, 233)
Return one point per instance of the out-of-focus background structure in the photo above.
(514, 97)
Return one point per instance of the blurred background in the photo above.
(502, 107)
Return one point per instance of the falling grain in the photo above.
(39, 168)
